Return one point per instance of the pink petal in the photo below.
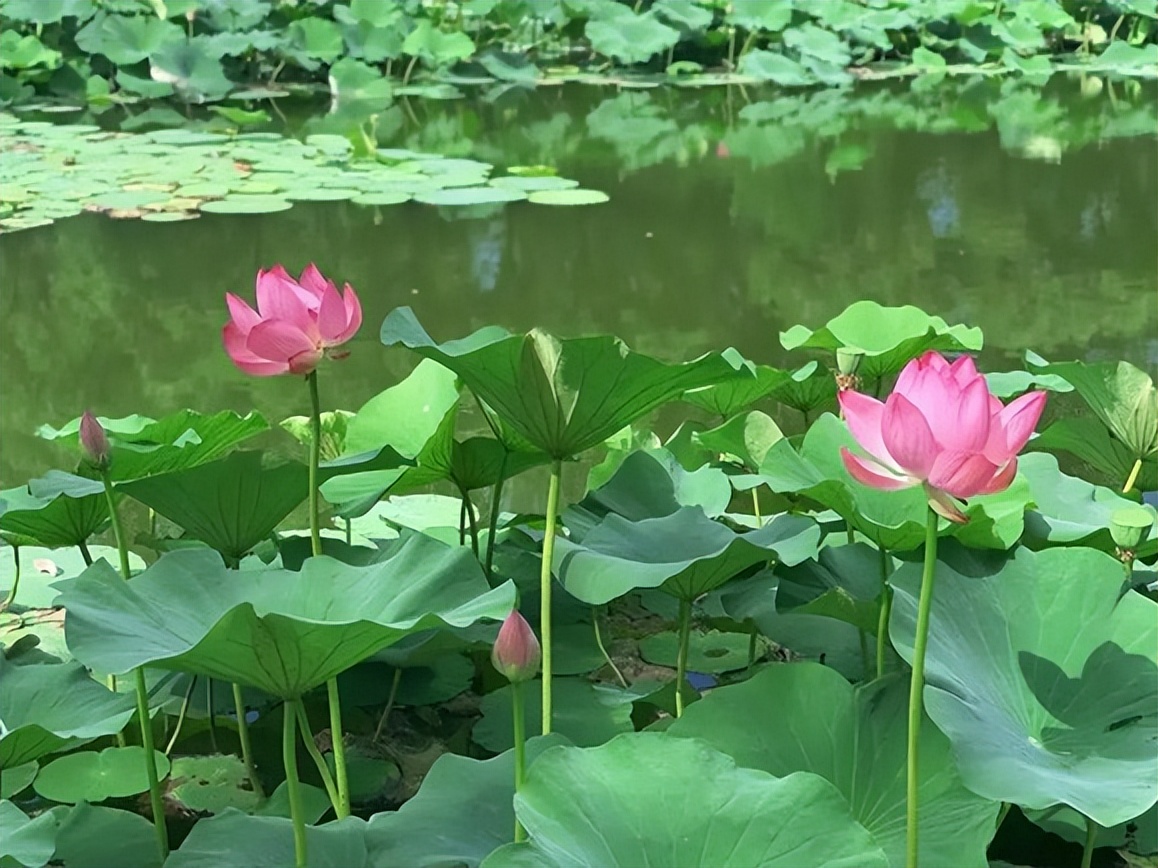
(931, 389)
(305, 361)
(964, 371)
(907, 436)
(870, 473)
(278, 297)
(863, 415)
(1020, 418)
(241, 313)
(314, 282)
(241, 356)
(1002, 480)
(332, 319)
(278, 341)
(962, 474)
(353, 312)
(965, 426)
(945, 506)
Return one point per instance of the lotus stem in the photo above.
(85, 554)
(864, 653)
(181, 715)
(1133, 477)
(545, 587)
(289, 758)
(468, 509)
(496, 507)
(146, 722)
(15, 581)
(753, 633)
(756, 506)
(916, 688)
(886, 611)
(520, 748)
(389, 703)
(342, 808)
(461, 522)
(599, 641)
(246, 747)
(1002, 814)
(682, 654)
(1088, 847)
(316, 755)
(209, 706)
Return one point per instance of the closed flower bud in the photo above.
(93, 440)
(516, 653)
(1129, 526)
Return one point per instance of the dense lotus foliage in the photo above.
(902, 630)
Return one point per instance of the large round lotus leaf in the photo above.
(469, 196)
(320, 194)
(16, 780)
(746, 437)
(444, 678)
(1045, 679)
(842, 582)
(383, 197)
(567, 197)
(453, 166)
(728, 399)
(41, 568)
(585, 713)
(894, 520)
(650, 799)
(462, 812)
(93, 836)
(887, 336)
(279, 631)
(707, 652)
(245, 203)
(210, 784)
(49, 706)
(26, 841)
(169, 216)
(563, 396)
(531, 184)
(686, 553)
(129, 199)
(203, 189)
(88, 776)
(812, 719)
(267, 842)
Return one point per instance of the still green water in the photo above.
(733, 215)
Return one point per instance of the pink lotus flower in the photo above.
(93, 440)
(940, 428)
(516, 652)
(296, 323)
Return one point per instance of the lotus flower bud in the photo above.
(93, 440)
(516, 653)
(847, 361)
(1129, 525)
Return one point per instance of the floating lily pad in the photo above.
(211, 784)
(169, 216)
(707, 652)
(384, 197)
(529, 184)
(567, 197)
(469, 196)
(89, 776)
(246, 204)
(320, 194)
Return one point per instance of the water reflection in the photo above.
(729, 221)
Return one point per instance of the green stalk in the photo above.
(496, 503)
(886, 610)
(753, 633)
(289, 757)
(468, 509)
(85, 554)
(15, 581)
(1134, 471)
(603, 649)
(155, 801)
(682, 657)
(545, 587)
(520, 749)
(316, 755)
(210, 706)
(246, 748)
(336, 730)
(756, 507)
(916, 688)
(389, 703)
(1088, 848)
(181, 715)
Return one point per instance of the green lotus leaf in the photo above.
(686, 554)
(17, 780)
(888, 337)
(534, 183)
(143, 447)
(246, 203)
(776, 67)
(48, 11)
(351, 80)
(810, 388)
(437, 47)
(27, 841)
(584, 808)
(585, 713)
(315, 38)
(267, 842)
(192, 67)
(728, 399)
(231, 504)
(1125, 399)
(1136, 836)
(894, 520)
(564, 396)
(462, 812)
(1044, 678)
(769, 15)
(469, 195)
(51, 522)
(1067, 510)
(860, 748)
(1007, 384)
(296, 630)
(42, 568)
(707, 652)
(746, 437)
(93, 836)
(52, 706)
(89, 776)
(126, 39)
(630, 38)
(567, 197)
(842, 582)
(210, 784)
(335, 428)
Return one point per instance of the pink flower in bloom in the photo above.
(296, 323)
(516, 652)
(93, 439)
(940, 428)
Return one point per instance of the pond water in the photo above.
(733, 215)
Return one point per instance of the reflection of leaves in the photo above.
(631, 38)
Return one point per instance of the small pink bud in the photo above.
(93, 439)
(516, 653)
